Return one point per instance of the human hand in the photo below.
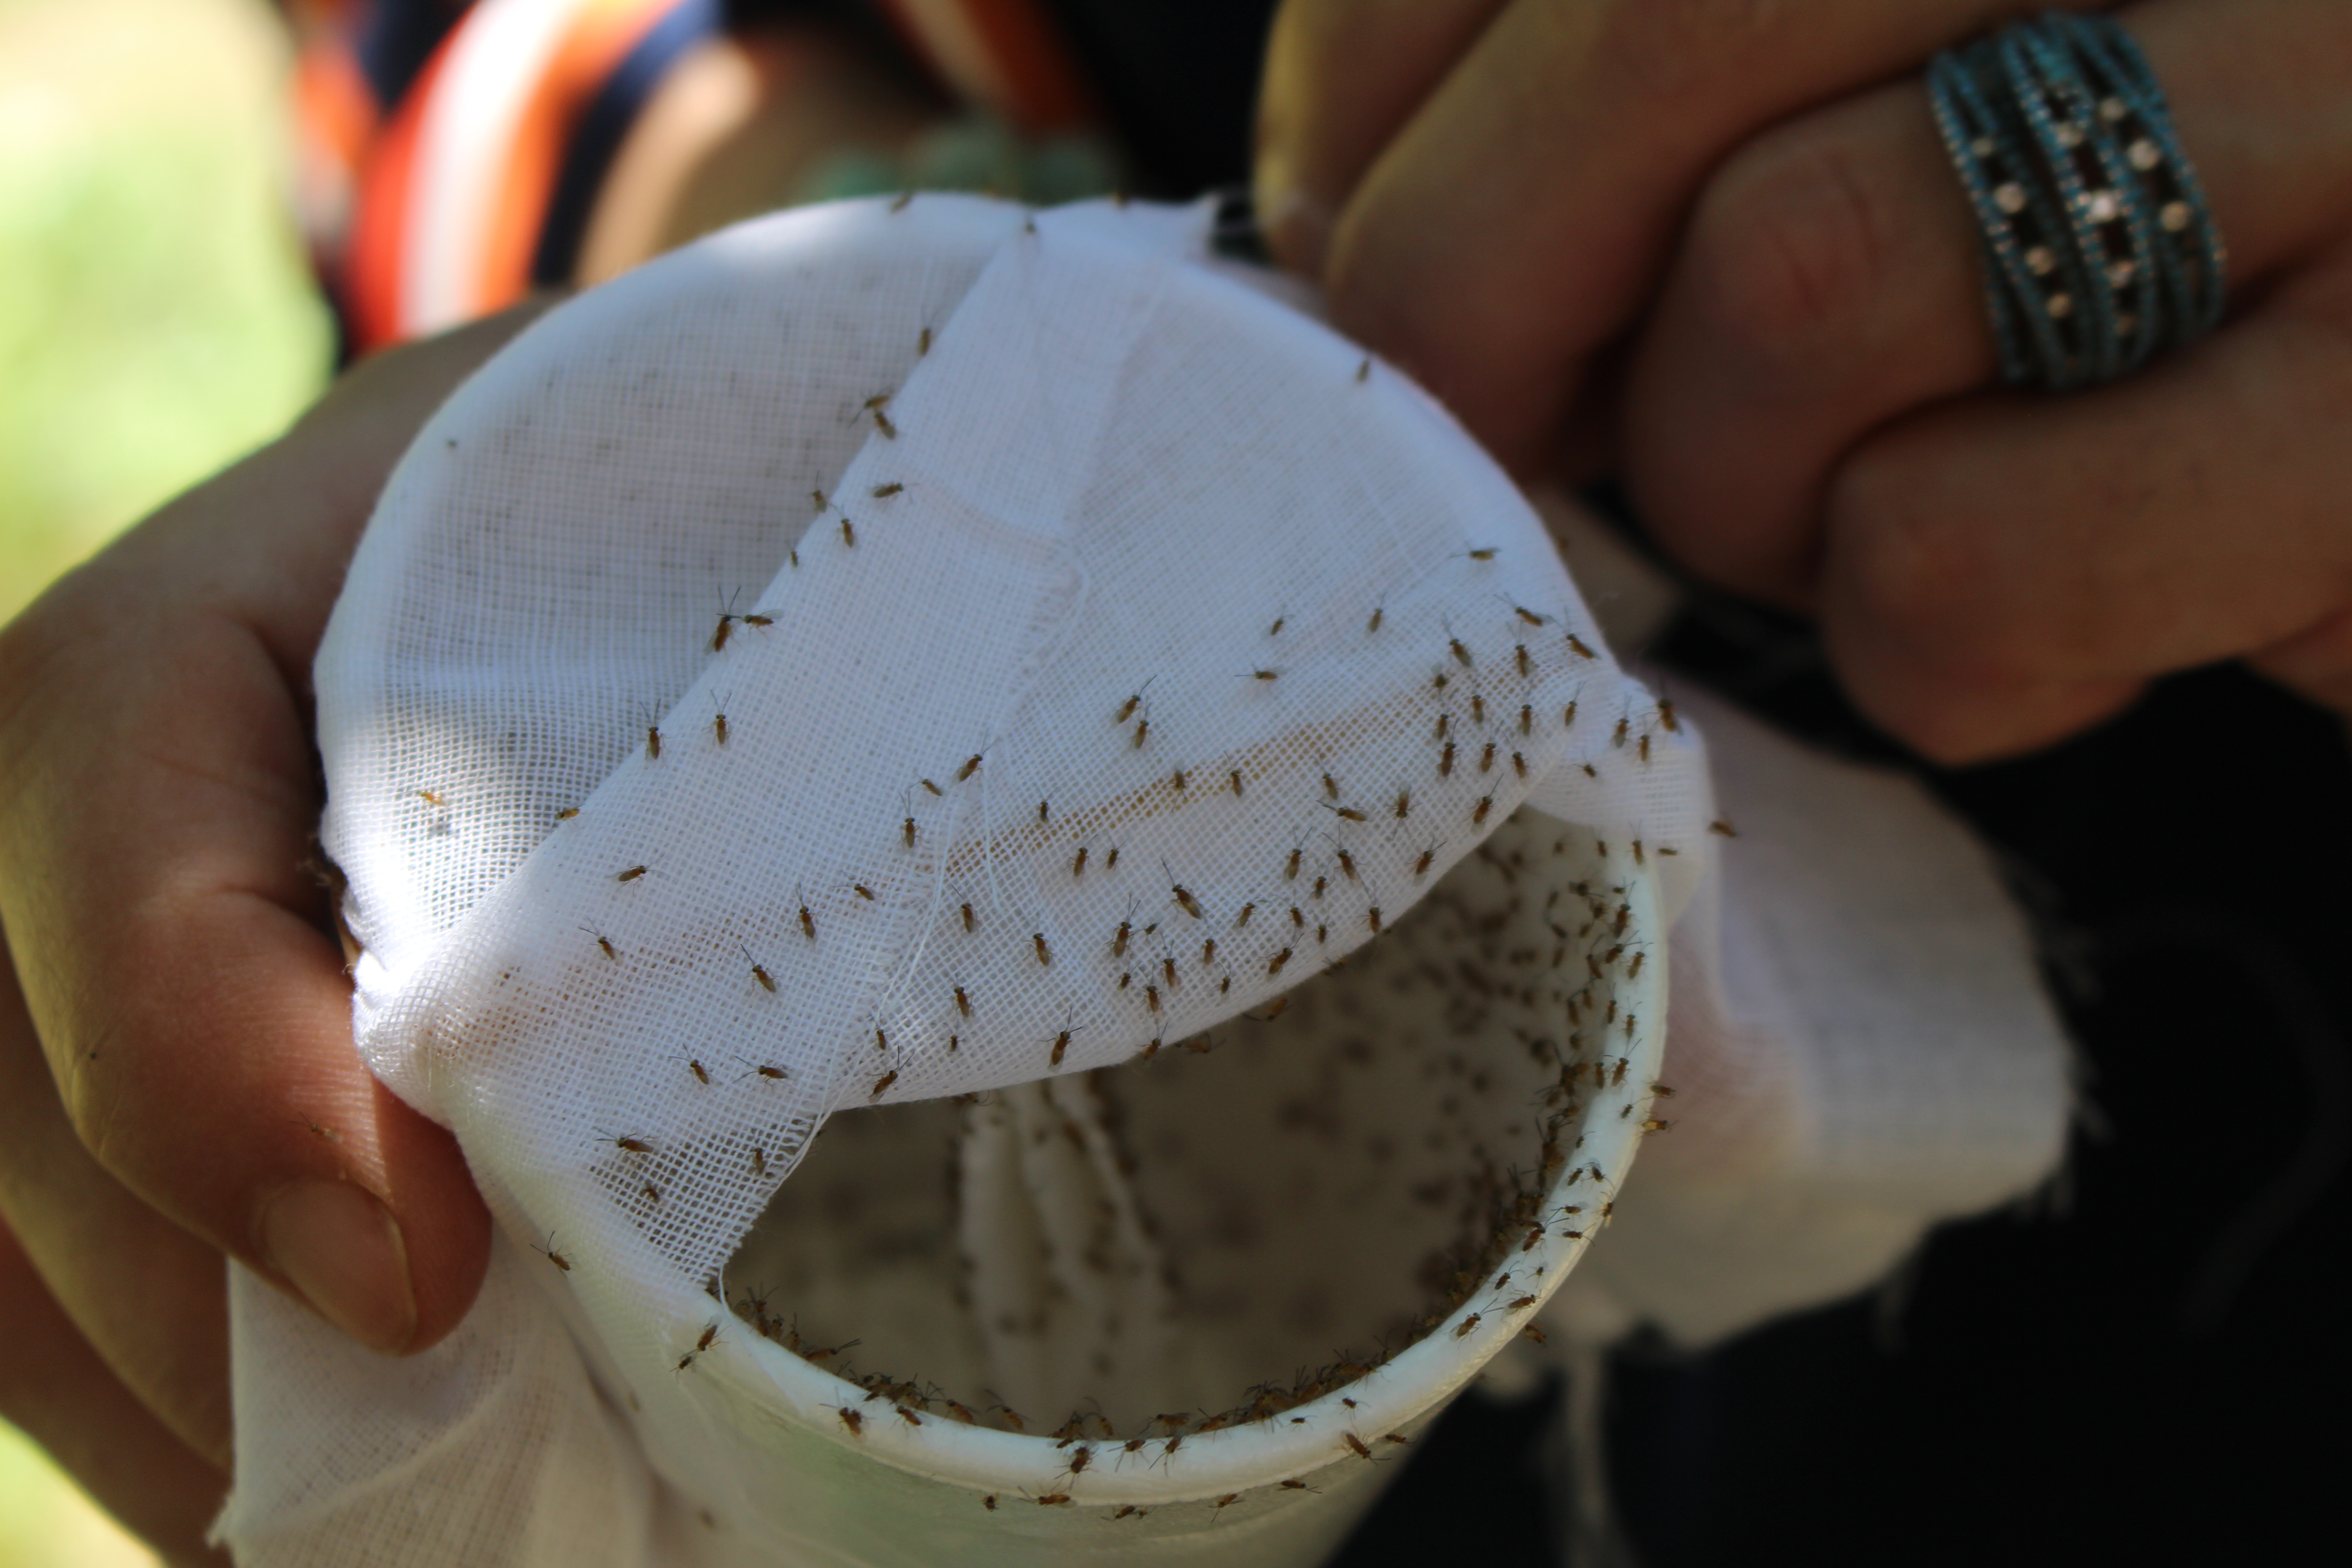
(1515, 200)
(175, 1042)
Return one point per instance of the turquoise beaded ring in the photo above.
(2100, 247)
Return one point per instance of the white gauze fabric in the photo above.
(917, 665)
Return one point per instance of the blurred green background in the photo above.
(156, 321)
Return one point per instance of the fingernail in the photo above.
(1297, 226)
(336, 1245)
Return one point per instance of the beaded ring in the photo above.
(2100, 247)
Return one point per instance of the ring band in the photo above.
(2100, 247)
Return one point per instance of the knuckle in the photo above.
(1676, 47)
(1789, 246)
(1920, 579)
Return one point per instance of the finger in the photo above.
(56, 1388)
(156, 796)
(2000, 572)
(1516, 223)
(1340, 77)
(108, 1258)
(1831, 280)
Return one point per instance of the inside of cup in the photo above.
(1229, 1225)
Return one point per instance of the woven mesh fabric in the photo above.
(898, 651)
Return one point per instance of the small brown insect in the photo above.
(899, 205)
(1578, 643)
(849, 532)
(726, 629)
(708, 1335)
(1568, 717)
(1080, 1458)
(1263, 674)
(908, 1416)
(862, 890)
(1374, 915)
(968, 923)
(1228, 1500)
(889, 431)
(1624, 726)
(1635, 968)
(1666, 716)
(881, 1038)
(1521, 1303)
(963, 1002)
(1044, 954)
(885, 1081)
(1460, 654)
(718, 729)
(1053, 1500)
(1321, 883)
(971, 766)
(606, 943)
(1363, 370)
(1518, 765)
(1290, 871)
(1485, 553)
(988, 1503)
(1294, 1485)
(1151, 1049)
(631, 875)
(1297, 920)
(1468, 1325)
(653, 742)
(1535, 1332)
(567, 813)
(1722, 828)
(923, 346)
(1379, 614)
(552, 1255)
(930, 786)
(1110, 861)
(1478, 813)
(1445, 762)
(1527, 719)
(432, 798)
(1421, 867)
(701, 1073)
(1152, 999)
(1078, 862)
(773, 1074)
(1477, 711)
(1348, 865)
(1330, 787)
(1356, 1446)
(1185, 900)
(760, 1161)
(1276, 631)
(1207, 952)
(760, 621)
(883, 492)
(1487, 759)
(686, 1360)
(1274, 965)
(908, 830)
(854, 1421)
(633, 1145)
(1127, 709)
(1236, 780)
(1644, 748)
(1397, 1437)
(1244, 918)
(1179, 781)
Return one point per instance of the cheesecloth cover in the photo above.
(1006, 692)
